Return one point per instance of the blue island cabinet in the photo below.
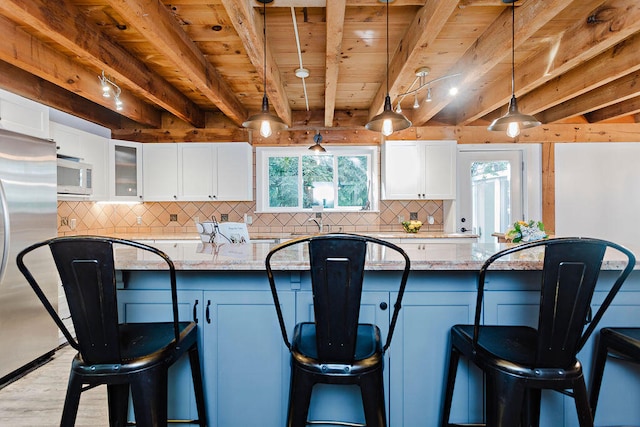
(246, 365)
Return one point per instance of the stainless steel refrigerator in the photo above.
(28, 204)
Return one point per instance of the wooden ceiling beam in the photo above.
(30, 54)
(161, 30)
(629, 107)
(422, 32)
(492, 47)
(614, 92)
(589, 37)
(335, 29)
(25, 84)
(62, 22)
(545, 134)
(248, 25)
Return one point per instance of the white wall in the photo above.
(598, 191)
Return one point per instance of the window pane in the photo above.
(317, 181)
(490, 186)
(353, 182)
(283, 182)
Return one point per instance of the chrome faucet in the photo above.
(319, 224)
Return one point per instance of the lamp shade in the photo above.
(513, 121)
(388, 121)
(264, 121)
(317, 138)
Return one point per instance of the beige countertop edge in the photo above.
(267, 236)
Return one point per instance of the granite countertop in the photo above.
(193, 255)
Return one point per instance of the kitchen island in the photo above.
(246, 365)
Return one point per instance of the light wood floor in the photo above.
(36, 399)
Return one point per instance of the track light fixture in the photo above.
(514, 120)
(421, 83)
(317, 138)
(109, 87)
(388, 121)
(264, 121)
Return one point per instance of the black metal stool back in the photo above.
(336, 348)
(122, 356)
(519, 361)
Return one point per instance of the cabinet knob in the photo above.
(175, 197)
(383, 305)
(207, 316)
(195, 315)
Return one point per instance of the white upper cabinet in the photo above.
(415, 170)
(24, 116)
(198, 163)
(160, 172)
(89, 148)
(198, 172)
(125, 170)
(234, 173)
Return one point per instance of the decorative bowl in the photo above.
(412, 226)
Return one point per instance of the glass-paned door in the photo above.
(490, 192)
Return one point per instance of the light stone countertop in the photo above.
(192, 255)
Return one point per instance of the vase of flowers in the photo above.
(412, 226)
(526, 231)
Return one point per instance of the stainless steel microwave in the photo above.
(74, 177)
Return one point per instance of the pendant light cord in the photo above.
(513, 49)
(264, 46)
(388, 47)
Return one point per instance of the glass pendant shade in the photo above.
(513, 121)
(264, 121)
(388, 121)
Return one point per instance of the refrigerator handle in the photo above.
(7, 229)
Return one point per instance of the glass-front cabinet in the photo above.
(125, 170)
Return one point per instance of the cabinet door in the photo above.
(334, 402)
(23, 115)
(197, 164)
(160, 172)
(154, 306)
(401, 171)
(439, 170)
(246, 361)
(67, 140)
(419, 353)
(125, 170)
(234, 173)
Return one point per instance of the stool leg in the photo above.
(372, 389)
(118, 398)
(531, 408)
(454, 357)
(505, 397)
(597, 373)
(299, 398)
(196, 373)
(71, 401)
(582, 403)
(149, 393)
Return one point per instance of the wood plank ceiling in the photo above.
(199, 64)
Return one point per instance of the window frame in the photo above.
(262, 175)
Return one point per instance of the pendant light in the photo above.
(264, 121)
(388, 121)
(514, 120)
(317, 138)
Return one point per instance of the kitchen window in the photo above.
(297, 180)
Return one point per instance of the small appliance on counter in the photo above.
(222, 232)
